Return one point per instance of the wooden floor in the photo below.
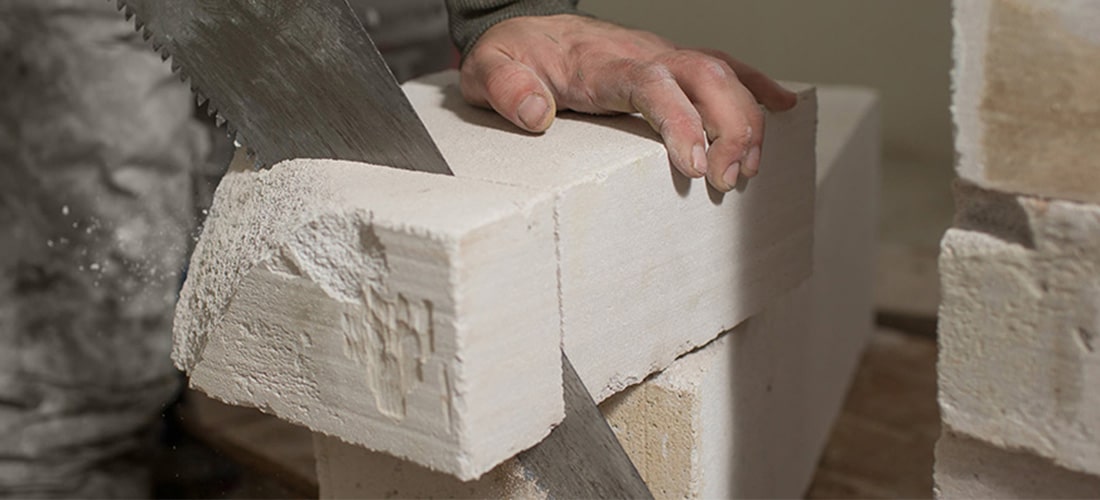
(881, 445)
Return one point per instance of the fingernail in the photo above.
(752, 162)
(532, 111)
(699, 159)
(730, 177)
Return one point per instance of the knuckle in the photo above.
(714, 68)
(702, 65)
(653, 73)
(677, 125)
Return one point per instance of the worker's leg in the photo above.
(97, 144)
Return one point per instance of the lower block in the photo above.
(749, 414)
(1019, 364)
(729, 420)
(968, 468)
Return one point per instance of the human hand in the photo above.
(528, 67)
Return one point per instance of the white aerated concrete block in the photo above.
(1026, 97)
(1019, 363)
(583, 236)
(749, 414)
(406, 312)
(967, 468)
(652, 264)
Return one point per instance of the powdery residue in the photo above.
(251, 211)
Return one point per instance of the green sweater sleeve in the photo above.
(470, 18)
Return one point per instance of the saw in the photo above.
(303, 79)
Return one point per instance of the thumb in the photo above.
(513, 89)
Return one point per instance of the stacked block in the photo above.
(1020, 270)
(424, 316)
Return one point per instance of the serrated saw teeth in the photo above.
(201, 99)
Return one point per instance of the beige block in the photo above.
(1019, 366)
(968, 468)
(363, 302)
(1026, 102)
(748, 415)
(728, 420)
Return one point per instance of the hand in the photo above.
(528, 67)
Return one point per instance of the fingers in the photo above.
(731, 117)
(651, 89)
(770, 93)
(689, 98)
(492, 78)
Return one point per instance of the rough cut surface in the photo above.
(1026, 100)
(968, 468)
(1019, 363)
(643, 265)
(365, 302)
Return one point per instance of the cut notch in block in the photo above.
(371, 310)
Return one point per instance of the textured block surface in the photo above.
(1019, 365)
(365, 302)
(1026, 102)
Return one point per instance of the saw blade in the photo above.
(289, 79)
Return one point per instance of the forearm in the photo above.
(470, 18)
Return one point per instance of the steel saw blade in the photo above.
(293, 79)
